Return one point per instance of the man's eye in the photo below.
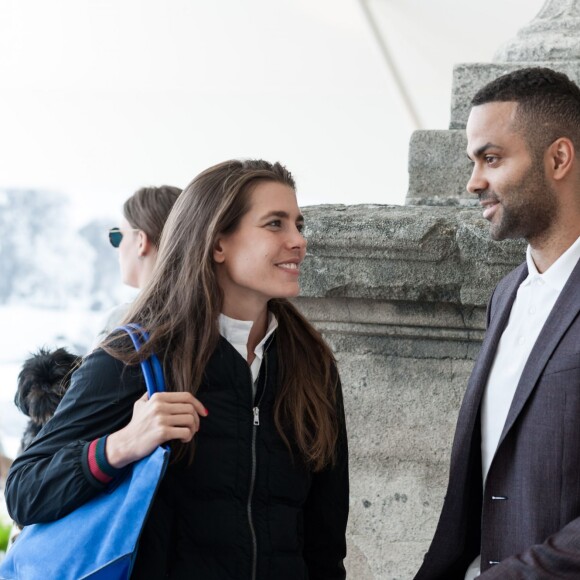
(300, 227)
(275, 223)
(490, 159)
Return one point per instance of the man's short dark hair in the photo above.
(548, 104)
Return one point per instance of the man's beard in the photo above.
(527, 209)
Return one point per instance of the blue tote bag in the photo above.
(99, 539)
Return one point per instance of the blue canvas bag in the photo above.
(99, 539)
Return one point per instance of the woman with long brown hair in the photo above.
(258, 485)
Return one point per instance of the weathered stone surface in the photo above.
(413, 254)
(401, 414)
(553, 35)
(400, 295)
(469, 78)
(439, 169)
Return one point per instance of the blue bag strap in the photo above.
(154, 361)
(151, 367)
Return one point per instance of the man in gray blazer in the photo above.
(512, 509)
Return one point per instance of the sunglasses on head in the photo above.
(116, 235)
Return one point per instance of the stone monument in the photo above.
(400, 293)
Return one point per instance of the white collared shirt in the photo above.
(534, 301)
(237, 332)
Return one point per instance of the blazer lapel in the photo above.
(503, 300)
(561, 317)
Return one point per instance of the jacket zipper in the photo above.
(256, 424)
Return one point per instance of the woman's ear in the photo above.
(144, 246)
(218, 252)
(561, 155)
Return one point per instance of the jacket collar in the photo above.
(500, 306)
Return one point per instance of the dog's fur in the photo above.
(42, 383)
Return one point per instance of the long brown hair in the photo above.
(182, 301)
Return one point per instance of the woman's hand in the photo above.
(165, 417)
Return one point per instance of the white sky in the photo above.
(100, 97)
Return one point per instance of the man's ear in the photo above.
(218, 252)
(560, 157)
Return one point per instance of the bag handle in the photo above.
(151, 367)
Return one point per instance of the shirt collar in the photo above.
(558, 273)
(236, 332)
(272, 326)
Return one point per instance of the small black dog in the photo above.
(42, 383)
